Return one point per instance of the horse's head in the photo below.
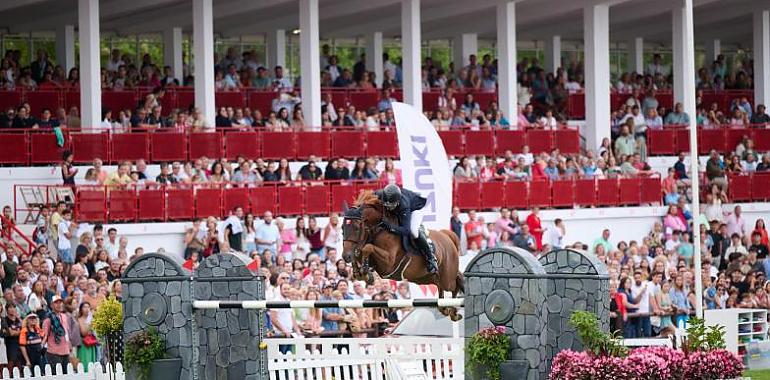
(358, 227)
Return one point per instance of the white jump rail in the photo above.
(302, 304)
(95, 372)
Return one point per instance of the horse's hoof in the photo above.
(455, 317)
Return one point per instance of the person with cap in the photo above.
(31, 341)
(56, 335)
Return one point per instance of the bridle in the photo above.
(366, 235)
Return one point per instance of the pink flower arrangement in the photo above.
(647, 363)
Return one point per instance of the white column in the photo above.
(596, 29)
(463, 46)
(374, 52)
(636, 55)
(90, 65)
(411, 52)
(506, 59)
(761, 57)
(309, 52)
(203, 40)
(552, 54)
(276, 49)
(172, 52)
(681, 70)
(713, 50)
(65, 46)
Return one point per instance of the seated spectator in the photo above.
(678, 117)
(760, 117)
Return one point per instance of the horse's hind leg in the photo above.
(450, 312)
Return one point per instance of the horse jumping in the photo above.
(372, 247)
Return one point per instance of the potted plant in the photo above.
(144, 357)
(108, 325)
(487, 351)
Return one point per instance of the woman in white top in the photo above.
(251, 234)
(106, 124)
(36, 299)
(548, 121)
(332, 232)
(447, 100)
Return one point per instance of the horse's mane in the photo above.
(368, 198)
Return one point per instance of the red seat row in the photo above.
(576, 108)
(671, 141)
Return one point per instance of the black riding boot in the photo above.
(427, 251)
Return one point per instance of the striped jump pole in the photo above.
(309, 304)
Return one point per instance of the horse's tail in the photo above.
(459, 284)
(455, 239)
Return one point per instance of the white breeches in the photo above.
(415, 223)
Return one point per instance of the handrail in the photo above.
(31, 246)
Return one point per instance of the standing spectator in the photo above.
(234, 229)
(288, 239)
(474, 229)
(86, 351)
(332, 233)
(641, 293)
(759, 227)
(283, 320)
(524, 240)
(455, 223)
(556, 234)
(68, 172)
(55, 335)
(64, 235)
(10, 331)
(31, 340)
(604, 241)
(536, 227)
(267, 234)
(736, 224)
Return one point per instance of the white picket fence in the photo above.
(366, 358)
(95, 372)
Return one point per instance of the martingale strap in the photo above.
(398, 273)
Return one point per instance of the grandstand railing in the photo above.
(185, 202)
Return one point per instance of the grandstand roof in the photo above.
(728, 20)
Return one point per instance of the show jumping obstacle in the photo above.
(214, 317)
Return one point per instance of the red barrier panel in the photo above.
(760, 186)
(652, 190)
(277, 145)
(492, 195)
(363, 100)
(181, 204)
(15, 149)
(206, 145)
(630, 191)
(39, 100)
(119, 100)
(91, 205)
(608, 192)
(263, 199)
(262, 101)
(567, 141)
(348, 144)
(585, 192)
(229, 99)
(540, 141)
(208, 202)
(382, 144)
(313, 144)
(186, 99)
(740, 187)
(130, 146)
(340, 195)
(246, 144)
(122, 205)
(43, 148)
(661, 142)
(339, 98)
(563, 193)
(236, 197)
(539, 194)
(10, 99)
(510, 140)
(430, 101)
(152, 205)
(453, 142)
(72, 99)
(516, 194)
(576, 106)
(479, 143)
(484, 98)
(317, 200)
(369, 185)
(168, 103)
(665, 99)
(88, 146)
(735, 136)
(168, 147)
(467, 195)
(290, 200)
(682, 140)
(709, 139)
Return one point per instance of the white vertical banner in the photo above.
(424, 165)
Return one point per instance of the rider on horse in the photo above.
(401, 203)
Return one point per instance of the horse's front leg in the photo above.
(365, 271)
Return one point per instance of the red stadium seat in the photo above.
(152, 205)
(342, 194)
(348, 144)
(290, 200)
(43, 148)
(181, 204)
(563, 193)
(130, 146)
(317, 200)
(608, 192)
(277, 145)
(206, 145)
(510, 140)
(630, 191)
(540, 141)
(467, 195)
(122, 205)
(492, 195)
(682, 140)
(167, 146)
(91, 205)
(709, 139)
(539, 194)
(567, 141)
(760, 187)
(479, 143)
(453, 142)
(15, 149)
(661, 142)
(516, 194)
(229, 99)
(314, 144)
(119, 100)
(363, 100)
(39, 100)
(652, 190)
(208, 202)
(236, 197)
(382, 144)
(263, 199)
(262, 101)
(740, 188)
(585, 192)
(246, 144)
(88, 146)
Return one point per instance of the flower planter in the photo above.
(509, 369)
(162, 369)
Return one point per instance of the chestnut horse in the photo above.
(370, 245)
